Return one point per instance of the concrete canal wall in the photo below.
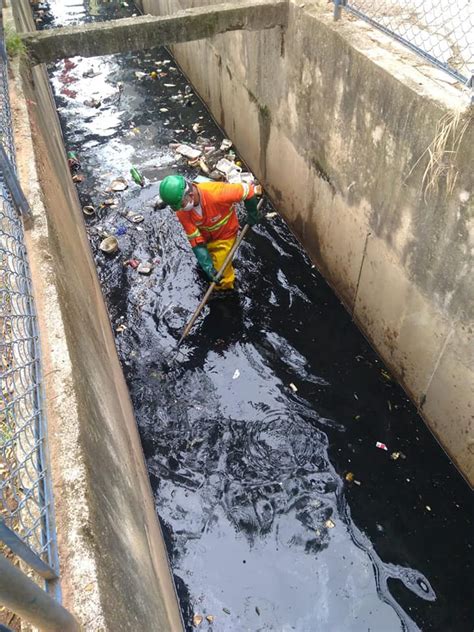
(114, 567)
(336, 120)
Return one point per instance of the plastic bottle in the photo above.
(73, 162)
(137, 176)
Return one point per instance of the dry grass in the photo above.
(442, 153)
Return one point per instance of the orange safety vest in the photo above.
(219, 219)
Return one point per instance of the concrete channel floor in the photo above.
(279, 511)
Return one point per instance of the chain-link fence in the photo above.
(441, 31)
(26, 516)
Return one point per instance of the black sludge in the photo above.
(279, 511)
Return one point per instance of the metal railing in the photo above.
(26, 509)
(441, 31)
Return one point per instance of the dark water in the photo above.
(263, 529)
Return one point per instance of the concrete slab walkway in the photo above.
(138, 33)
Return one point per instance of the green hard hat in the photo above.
(172, 190)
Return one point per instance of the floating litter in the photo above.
(197, 620)
(145, 269)
(226, 144)
(120, 184)
(109, 245)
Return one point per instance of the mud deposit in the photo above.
(279, 511)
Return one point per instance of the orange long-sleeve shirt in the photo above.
(219, 219)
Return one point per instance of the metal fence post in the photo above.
(338, 4)
(21, 595)
(18, 197)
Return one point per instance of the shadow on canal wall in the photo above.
(336, 120)
(114, 567)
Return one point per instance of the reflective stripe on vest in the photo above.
(223, 221)
(193, 235)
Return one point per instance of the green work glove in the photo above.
(205, 261)
(253, 214)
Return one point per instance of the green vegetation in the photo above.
(264, 112)
(15, 45)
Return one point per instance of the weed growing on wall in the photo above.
(442, 152)
(14, 43)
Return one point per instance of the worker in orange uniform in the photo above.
(207, 213)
